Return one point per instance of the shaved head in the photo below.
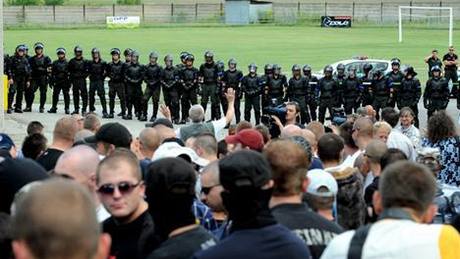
(290, 131)
(164, 132)
(149, 139)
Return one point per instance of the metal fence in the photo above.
(383, 12)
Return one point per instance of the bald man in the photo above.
(290, 131)
(63, 138)
(164, 132)
(147, 143)
(362, 133)
(64, 212)
(80, 164)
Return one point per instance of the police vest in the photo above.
(20, 66)
(77, 68)
(251, 85)
(152, 74)
(196, 129)
(39, 65)
(297, 87)
(209, 73)
(276, 85)
(134, 73)
(379, 88)
(351, 88)
(327, 87)
(438, 87)
(97, 70)
(60, 70)
(115, 71)
(169, 75)
(232, 78)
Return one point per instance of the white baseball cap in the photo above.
(173, 149)
(320, 178)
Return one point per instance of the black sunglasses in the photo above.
(207, 190)
(123, 188)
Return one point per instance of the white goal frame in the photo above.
(451, 19)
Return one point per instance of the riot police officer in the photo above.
(328, 93)
(351, 92)
(41, 66)
(96, 71)
(268, 73)
(381, 93)
(366, 85)
(152, 79)
(277, 85)
(182, 56)
(232, 79)
(169, 80)
(208, 79)
(313, 91)
(78, 70)
(60, 80)
(189, 81)
(297, 91)
(436, 95)
(134, 75)
(19, 78)
(114, 70)
(251, 87)
(394, 79)
(410, 92)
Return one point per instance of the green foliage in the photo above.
(54, 2)
(25, 2)
(129, 2)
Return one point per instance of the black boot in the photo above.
(52, 110)
(143, 117)
(153, 118)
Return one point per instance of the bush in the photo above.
(25, 2)
(129, 2)
(54, 2)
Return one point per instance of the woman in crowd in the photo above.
(407, 127)
(442, 134)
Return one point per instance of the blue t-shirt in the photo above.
(274, 241)
(316, 164)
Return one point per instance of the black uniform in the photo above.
(297, 91)
(450, 72)
(340, 78)
(169, 80)
(152, 78)
(189, 80)
(394, 79)
(264, 88)
(232, 79)
(408, 96)
(116, 85)
(277, 85)
(381, 95)
(351, 96)
(208, 71)
(328, 96)
(313, 95)
(252, 89)
(436, 95)
(20, 72)
(40, 66)
(134, 75)
(78, 71)
(60, 81)
(431, 63)
(96, 70)
(366, 90)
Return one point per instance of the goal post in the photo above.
(451, 19)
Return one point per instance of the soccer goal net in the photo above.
(430, 17)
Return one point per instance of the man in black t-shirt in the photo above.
(121, 191)
(246, 179)
(433, 60)
(170, 194)
(63, 137)
(450, 61)
(289, 165)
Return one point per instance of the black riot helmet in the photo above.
(208, 56)
(189, 60)
(95, 53)
(153, 55)
(352, 72)
(252, 68)
(306, 70)
(60, 51)
(295, 68)
(168, 60)
(220, 66)
(328, 69)
(276, 69)
(39, 45)
(340, 69)
(268, 69)
(134, 56)
(367, 68)
(378, 74)
(410, 71)
(78, 50)
(395, 62)
(127, 52)
(183, 55)
(115, 51)
(232, 63)
(436, 69)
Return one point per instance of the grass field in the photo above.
(285, 45)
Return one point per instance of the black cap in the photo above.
(244, 169)
(170, 176)
(160, 121)
(113, 133)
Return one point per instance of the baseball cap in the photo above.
(171, 176)
(113, 133)
(248, 137)
(173, 149)
(6, 142)
(160, 121)
(243, 169)
(320, 178)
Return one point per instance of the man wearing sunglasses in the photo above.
(121, 190)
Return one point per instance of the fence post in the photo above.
(221, 9)
(84, 13)
(196, 11)
(381, 12)
(298, 8)
(113, 10)
(143, 12)
(24, 13)
(172, 9)
(410, 12)
(353, 10)
(325, 8)
(54, 13)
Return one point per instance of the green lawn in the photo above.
(284, 45)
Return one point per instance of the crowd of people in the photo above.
(365, 189)
(181, 85)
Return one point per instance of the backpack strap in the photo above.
(355, 249)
